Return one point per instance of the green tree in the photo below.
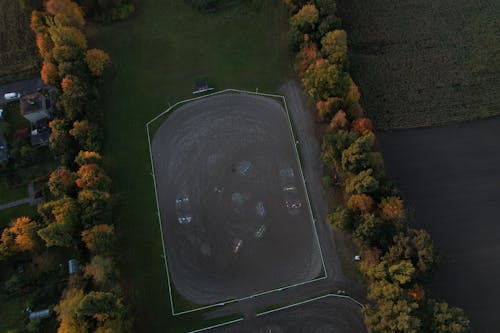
(59, 139)
(100, 306)
(415, 246)
(102, 270)
(87, 134)
(95, 207)
(306, 18)
(334, 144)
(324, 79)
(364, 182)
(61, 220)
(392, 310)
(357, 156)
(334, 47)
(447, 319)
(99, 239)
(62, 182)
(66, 310)
(97, 61)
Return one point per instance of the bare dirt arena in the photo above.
(234, 212)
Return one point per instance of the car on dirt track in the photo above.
(237, 245)
(12, 96)
(184, 219)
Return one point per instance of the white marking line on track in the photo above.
(171, 108)
(215, 326)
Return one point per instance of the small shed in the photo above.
(201, 86)
(37, 315)
(72, 266)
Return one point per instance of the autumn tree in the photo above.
(59, 139)
(391, 309)
(373, 232)
(100, 306)
(342, 219)
(87, 135)
(334, 144)
(307, 55)
(66, 13)
(102, 270)
(62, 182)
(38, 22)
(392, 208)
(362, 125)
(306, 18)
(339, 121)
(354, 111)
(88, 157)
(49, 73)
(353, 95)
(446, 318)
(327, 108)
(92, 176)
(95, 207)
(66, 53)
(61, 220)
(99, 239)
(357, 156)
(328, 19)
(324, 79)
(334, 47)
(19, 236)
(68, 35)
(97, 60)
(364, 182)
(415, 246)
(360, 202)
(44, 44)
(69, 320)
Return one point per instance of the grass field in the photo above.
(421, 63)
(158, 54)
(18, 57)
(449, 177)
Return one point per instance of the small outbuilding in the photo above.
(37, 315)
(72, 266)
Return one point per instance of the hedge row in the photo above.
(397, 260)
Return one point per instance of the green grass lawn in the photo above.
(157, 55)
(7, 215)
(8, 194)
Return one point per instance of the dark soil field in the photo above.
(426, 62)
(18, 55)
(450, 179)
(234, 211)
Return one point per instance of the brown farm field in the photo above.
(18, 55)
(422, 63)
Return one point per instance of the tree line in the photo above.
(397, 260)
(77, 215)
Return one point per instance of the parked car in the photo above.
(11, 96)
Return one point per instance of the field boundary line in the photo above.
(216, 326)
(292, 137)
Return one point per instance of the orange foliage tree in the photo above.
(92, 176)
(100, 238)
(96, 60)
(362, 125)
(327, 108)
(391, 208)
(20, 235)
(339, 121)
(66, 13)
(360, 202)
(88, 157)
(307, 56)
(61, 182)
(49, 73)
(44, 44)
